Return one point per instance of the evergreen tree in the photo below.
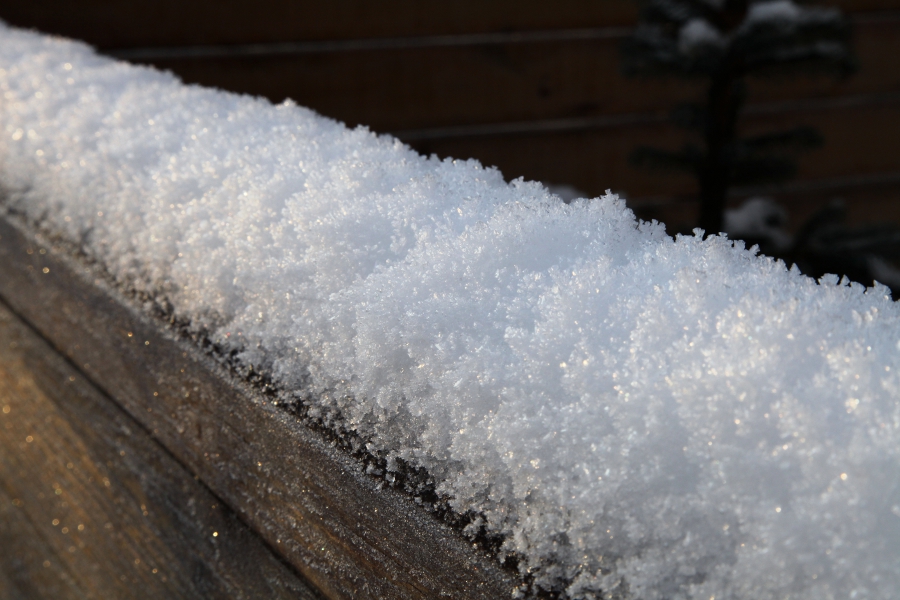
(724, 42)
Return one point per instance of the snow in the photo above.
(698, 36)
(774, 10)
(787, 14)
(697, 33)
(759, 218)
(656, 417)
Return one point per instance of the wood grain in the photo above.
(867, 199)
(116, 24)
(396, 89)
(859, 140)
(305, 498)
(92, 507)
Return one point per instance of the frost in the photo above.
(671, 418)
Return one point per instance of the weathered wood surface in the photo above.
(305, 498)
(92, 507)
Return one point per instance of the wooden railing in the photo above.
(133, 465)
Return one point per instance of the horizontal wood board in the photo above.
(308, 500)
(399, 89)
(866, 200)
(92, 507)
(861, 140)
(116, 24)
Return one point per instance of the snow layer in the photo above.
(675, 417)
(697, 37)
(774, 10)
(788, 15)
(698, 32)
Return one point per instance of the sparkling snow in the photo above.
(678, 418)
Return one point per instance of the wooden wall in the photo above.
(531, 87)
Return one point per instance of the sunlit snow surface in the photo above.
(680, 417)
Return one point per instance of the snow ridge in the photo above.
(637, 415)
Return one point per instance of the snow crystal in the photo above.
(647, 416)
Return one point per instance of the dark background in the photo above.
(531, 87)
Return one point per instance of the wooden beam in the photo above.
(115, 24)
(565, 74)
(92, 506)
(861, 139)
(307, 499)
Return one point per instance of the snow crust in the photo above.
(647, 416)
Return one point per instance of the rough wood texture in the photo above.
(92, 507)
(306, 499)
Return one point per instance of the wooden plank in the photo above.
(395, 89)
(400, 89)
(867, 199)
(860, 139)
(91, 506)
(858, 6)
(115, 24)
(876, 42)
(306, 498)
(591, 160)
